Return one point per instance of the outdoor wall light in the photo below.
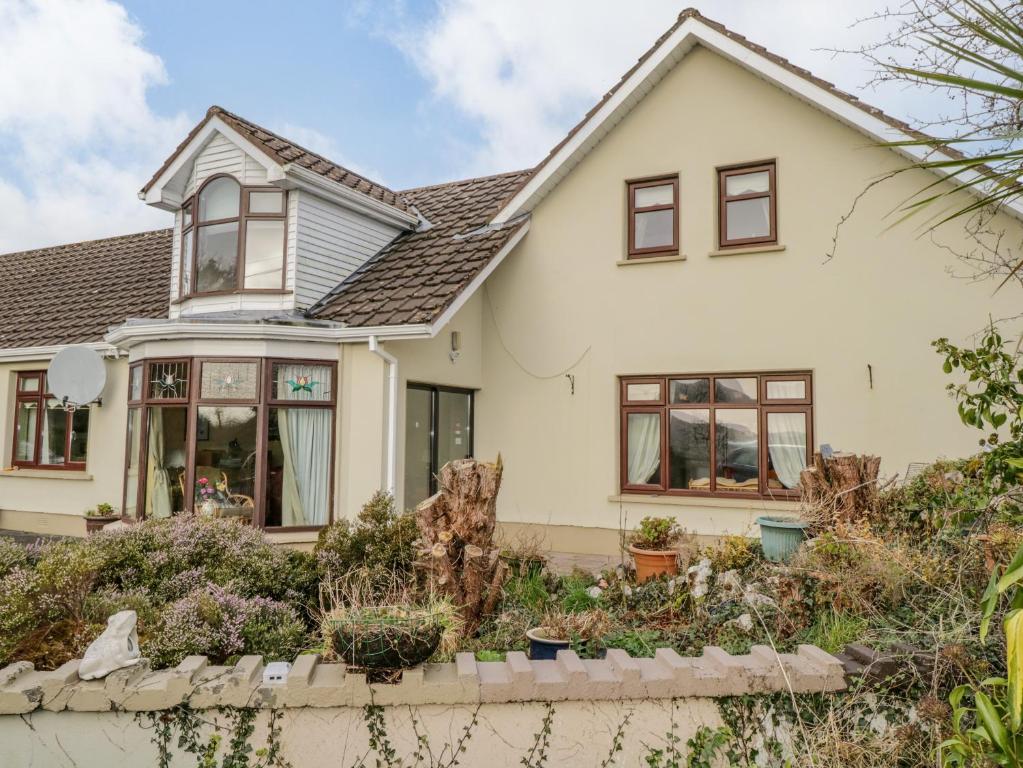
(456, 346)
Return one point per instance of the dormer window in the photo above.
(233, 239)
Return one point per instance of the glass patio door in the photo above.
(438, 429)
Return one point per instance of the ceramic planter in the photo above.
(524, 566)
(542, 647)
(780, 537)
(651, 563)
(96, 523)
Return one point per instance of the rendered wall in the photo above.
(54, 719)
(561, 304)
(47, 501)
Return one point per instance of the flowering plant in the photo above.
(205, 490)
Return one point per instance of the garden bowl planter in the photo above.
(651, 563)
(542, 647)
(780, 537)
(386, 637)
(94, 523)
(524, 566)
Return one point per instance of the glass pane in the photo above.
(186, 215)
(663, 194)
(738, 468)
(266, 202)
(264, 254)
(225, 461)
(786, 390)
(169, 380)
(735, 390)
(135, 383)
(689, 448)
(454, 441)
(79, 435)
(54, 435)
(187, 241)
(747, 183)
(229, 381)
(298, 467)
(644, 448)
(165, 461)
(28, 383)
(217, 258)
(786, 449)
(418, 445)
(299, 381)
(131, 464)
(748, 218)
(219, 200)
(655, 229)
(690, 390)
(639, 393)
(25, 422)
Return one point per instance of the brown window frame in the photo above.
(664, 407)
(652, 181)
(40, 397)
(771, 166)
(262, 402)
(242, 219)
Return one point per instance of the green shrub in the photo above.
(657, 533)
(12, 555)
(381, 540)
(19, 594)
(833, 630)
(576, 595)
(527, 592)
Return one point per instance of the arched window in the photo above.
(232, 239)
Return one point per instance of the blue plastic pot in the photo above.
(541, 647)
(780, 537)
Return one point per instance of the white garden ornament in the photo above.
(116, 648)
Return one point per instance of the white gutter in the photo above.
(126, 336)
(45, 353)
(392, 412)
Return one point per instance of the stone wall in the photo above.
(54, 718)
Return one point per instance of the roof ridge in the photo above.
(216, 109)
(78, 243)
(468, 180)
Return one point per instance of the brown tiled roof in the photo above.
(284, 151)
(70, 294)
(416, 277)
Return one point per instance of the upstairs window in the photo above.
(233, 239)
(653, 216)
(45, 435)
(747, 205)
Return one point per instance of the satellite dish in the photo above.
(76, 376)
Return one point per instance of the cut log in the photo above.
(840, 489)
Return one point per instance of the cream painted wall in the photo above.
(64, 496)
(560, 304)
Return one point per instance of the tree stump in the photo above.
(841, 489)
(457, 526)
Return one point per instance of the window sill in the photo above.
(739, 249)
(222, 294)
(284, 536)
(651, 259)
(46, 474)
(705, 501)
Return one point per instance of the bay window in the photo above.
(233, 238)
(715, 434)
(247, 438)
(46, 436)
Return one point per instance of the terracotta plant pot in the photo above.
(96, 523)
(651, 563)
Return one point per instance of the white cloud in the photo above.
(526, 71)
(77, 135)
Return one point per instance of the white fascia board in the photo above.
(467, 293)
(45, 353)
(292, 176)
(127, 336)
(691, 32)
(158, 197)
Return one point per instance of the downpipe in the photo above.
(392, 412)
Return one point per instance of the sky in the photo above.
(95, 94)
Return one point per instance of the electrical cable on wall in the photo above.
(524, 369)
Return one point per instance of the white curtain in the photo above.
(305, 445)
(644, 446)
(786, 442)
(158, 491)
